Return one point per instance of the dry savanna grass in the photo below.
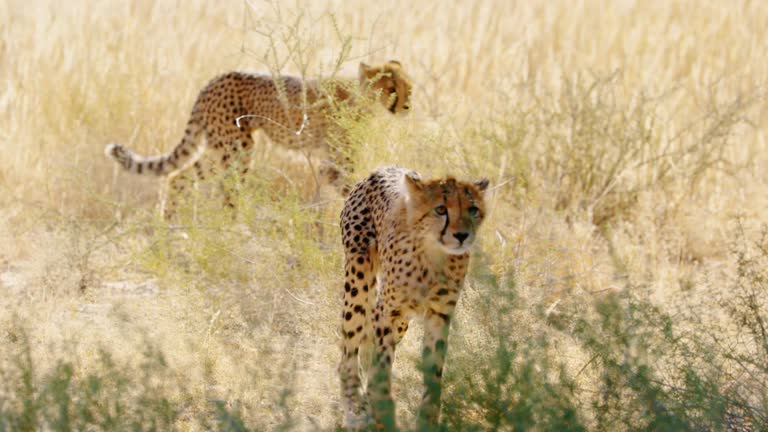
(620, 282)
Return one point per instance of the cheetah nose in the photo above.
(461, 236)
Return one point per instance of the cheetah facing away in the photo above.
(406, 244)
(293, 113)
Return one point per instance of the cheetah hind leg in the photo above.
(183, 186)
(357, 412)
(178, 188)
(236, 161)
(357, 344)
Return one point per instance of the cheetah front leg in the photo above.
(435, 345)
(337, 170)
(359, 283)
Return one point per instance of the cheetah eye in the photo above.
(473, 211)
(441, 210)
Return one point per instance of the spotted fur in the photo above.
(406, 244)
(293, 113)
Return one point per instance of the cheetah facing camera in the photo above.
(293, 113)
(412, 238)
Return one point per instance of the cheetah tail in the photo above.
(186, 152)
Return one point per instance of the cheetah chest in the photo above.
(420, 281)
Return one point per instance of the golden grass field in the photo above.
(625, 142)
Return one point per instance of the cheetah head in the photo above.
(390, 82)
(446, 211)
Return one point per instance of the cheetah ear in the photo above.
(482, 185)
(394, 62)
(413, 183)
(364, 70)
